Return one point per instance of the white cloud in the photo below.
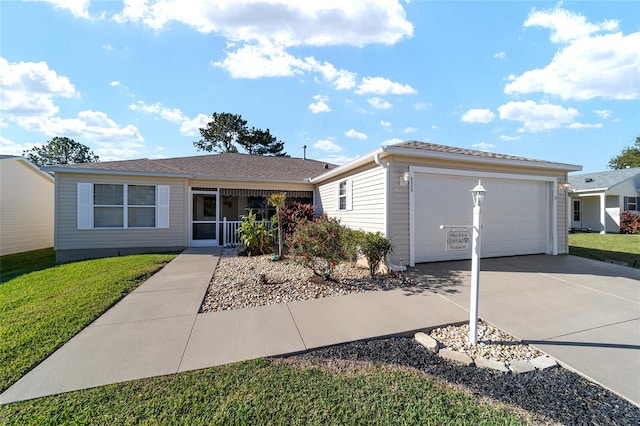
(509, 138)
(392, 141)
(27, 89)
(327, 145)
(320, 104)
(312, 23)
(585, 125)
(537, 117)
(385, 123)
(114, 83)
(588, 65)
(434, 127)
(79, 8)
(483, 146)
(108, 47)
(565, 25)
(262, 59)
(410, 130)
(500, 55)
(170, 114)
(340, 79)
(338, 159)
(602, 113)
(191, 127)
(383, 86)
(9, 147)
(378, 103)
(352, 133)
(478, 115)
(420, 105)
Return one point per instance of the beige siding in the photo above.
(368, 200)
(68, 237)
(399, 198)
(26, 208)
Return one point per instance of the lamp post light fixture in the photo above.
(478, 197)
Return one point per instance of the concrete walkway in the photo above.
(584, 313)
(156, 330)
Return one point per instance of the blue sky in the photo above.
(133, 79)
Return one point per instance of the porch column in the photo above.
(603, 228)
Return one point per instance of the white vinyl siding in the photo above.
(365, 204)
(26, 207)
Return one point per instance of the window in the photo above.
(576, 210)
(631, 203)
(343, 197)
(103, 205)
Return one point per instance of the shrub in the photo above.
(351, 241)
(277, 201)
(317, 245)
(629, 223)
(294, 213)
(254, 235)
(374, 247)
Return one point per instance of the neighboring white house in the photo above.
(26, 206)
(405, 191)
(598, 199)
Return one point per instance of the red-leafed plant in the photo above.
(629, 223)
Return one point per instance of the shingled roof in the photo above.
(601, 180)
(223, 166)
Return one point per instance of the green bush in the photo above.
(254, 235)
(374, 247)
(351, 241)
(318, 245)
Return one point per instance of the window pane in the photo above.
(343, 203)
(141, 195)
(343, 188)
(142, 217)
(108, 194)
(108, 217)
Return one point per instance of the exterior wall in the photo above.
(399, 198)
(368, 199)
(26, 208)
(613, 207)
(591, 213)
(69, 238)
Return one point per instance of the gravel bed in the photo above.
(243, 282)
(493, 343)
(552, 396)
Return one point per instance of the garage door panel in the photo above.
(515, 215)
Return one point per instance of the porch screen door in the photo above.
(204, 218)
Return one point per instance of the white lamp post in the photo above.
(478, 196)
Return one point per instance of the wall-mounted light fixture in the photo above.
(404, 179)
(563, 186)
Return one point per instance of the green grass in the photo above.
(617, 247)
(41, 310)
(13, 265)
(262, 392)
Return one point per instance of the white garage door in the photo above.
(515, 215)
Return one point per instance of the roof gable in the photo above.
(601, 180)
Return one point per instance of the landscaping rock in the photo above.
(543, 362)
(454, 356)
(491, 364)
(427, 341)
(521, 366)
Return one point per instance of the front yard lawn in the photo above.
(264, 392)
(606, 247)
(13, 265)
(41, 310)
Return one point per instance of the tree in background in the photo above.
(629, 157)
(226, 132)
(60, 150)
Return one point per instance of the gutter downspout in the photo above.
(392, 266)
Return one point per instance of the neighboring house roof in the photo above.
(27, 163)
(229, 166)
(434, 151)
(601, 181)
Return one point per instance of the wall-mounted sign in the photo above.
(458, 239)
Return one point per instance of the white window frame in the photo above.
(628, 203)
(347, 196)
(85, 206)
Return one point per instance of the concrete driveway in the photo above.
(584, 313)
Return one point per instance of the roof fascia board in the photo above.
(413, 152)
(367, 158)
(113, 172)
(583, 191)
(239, 179)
